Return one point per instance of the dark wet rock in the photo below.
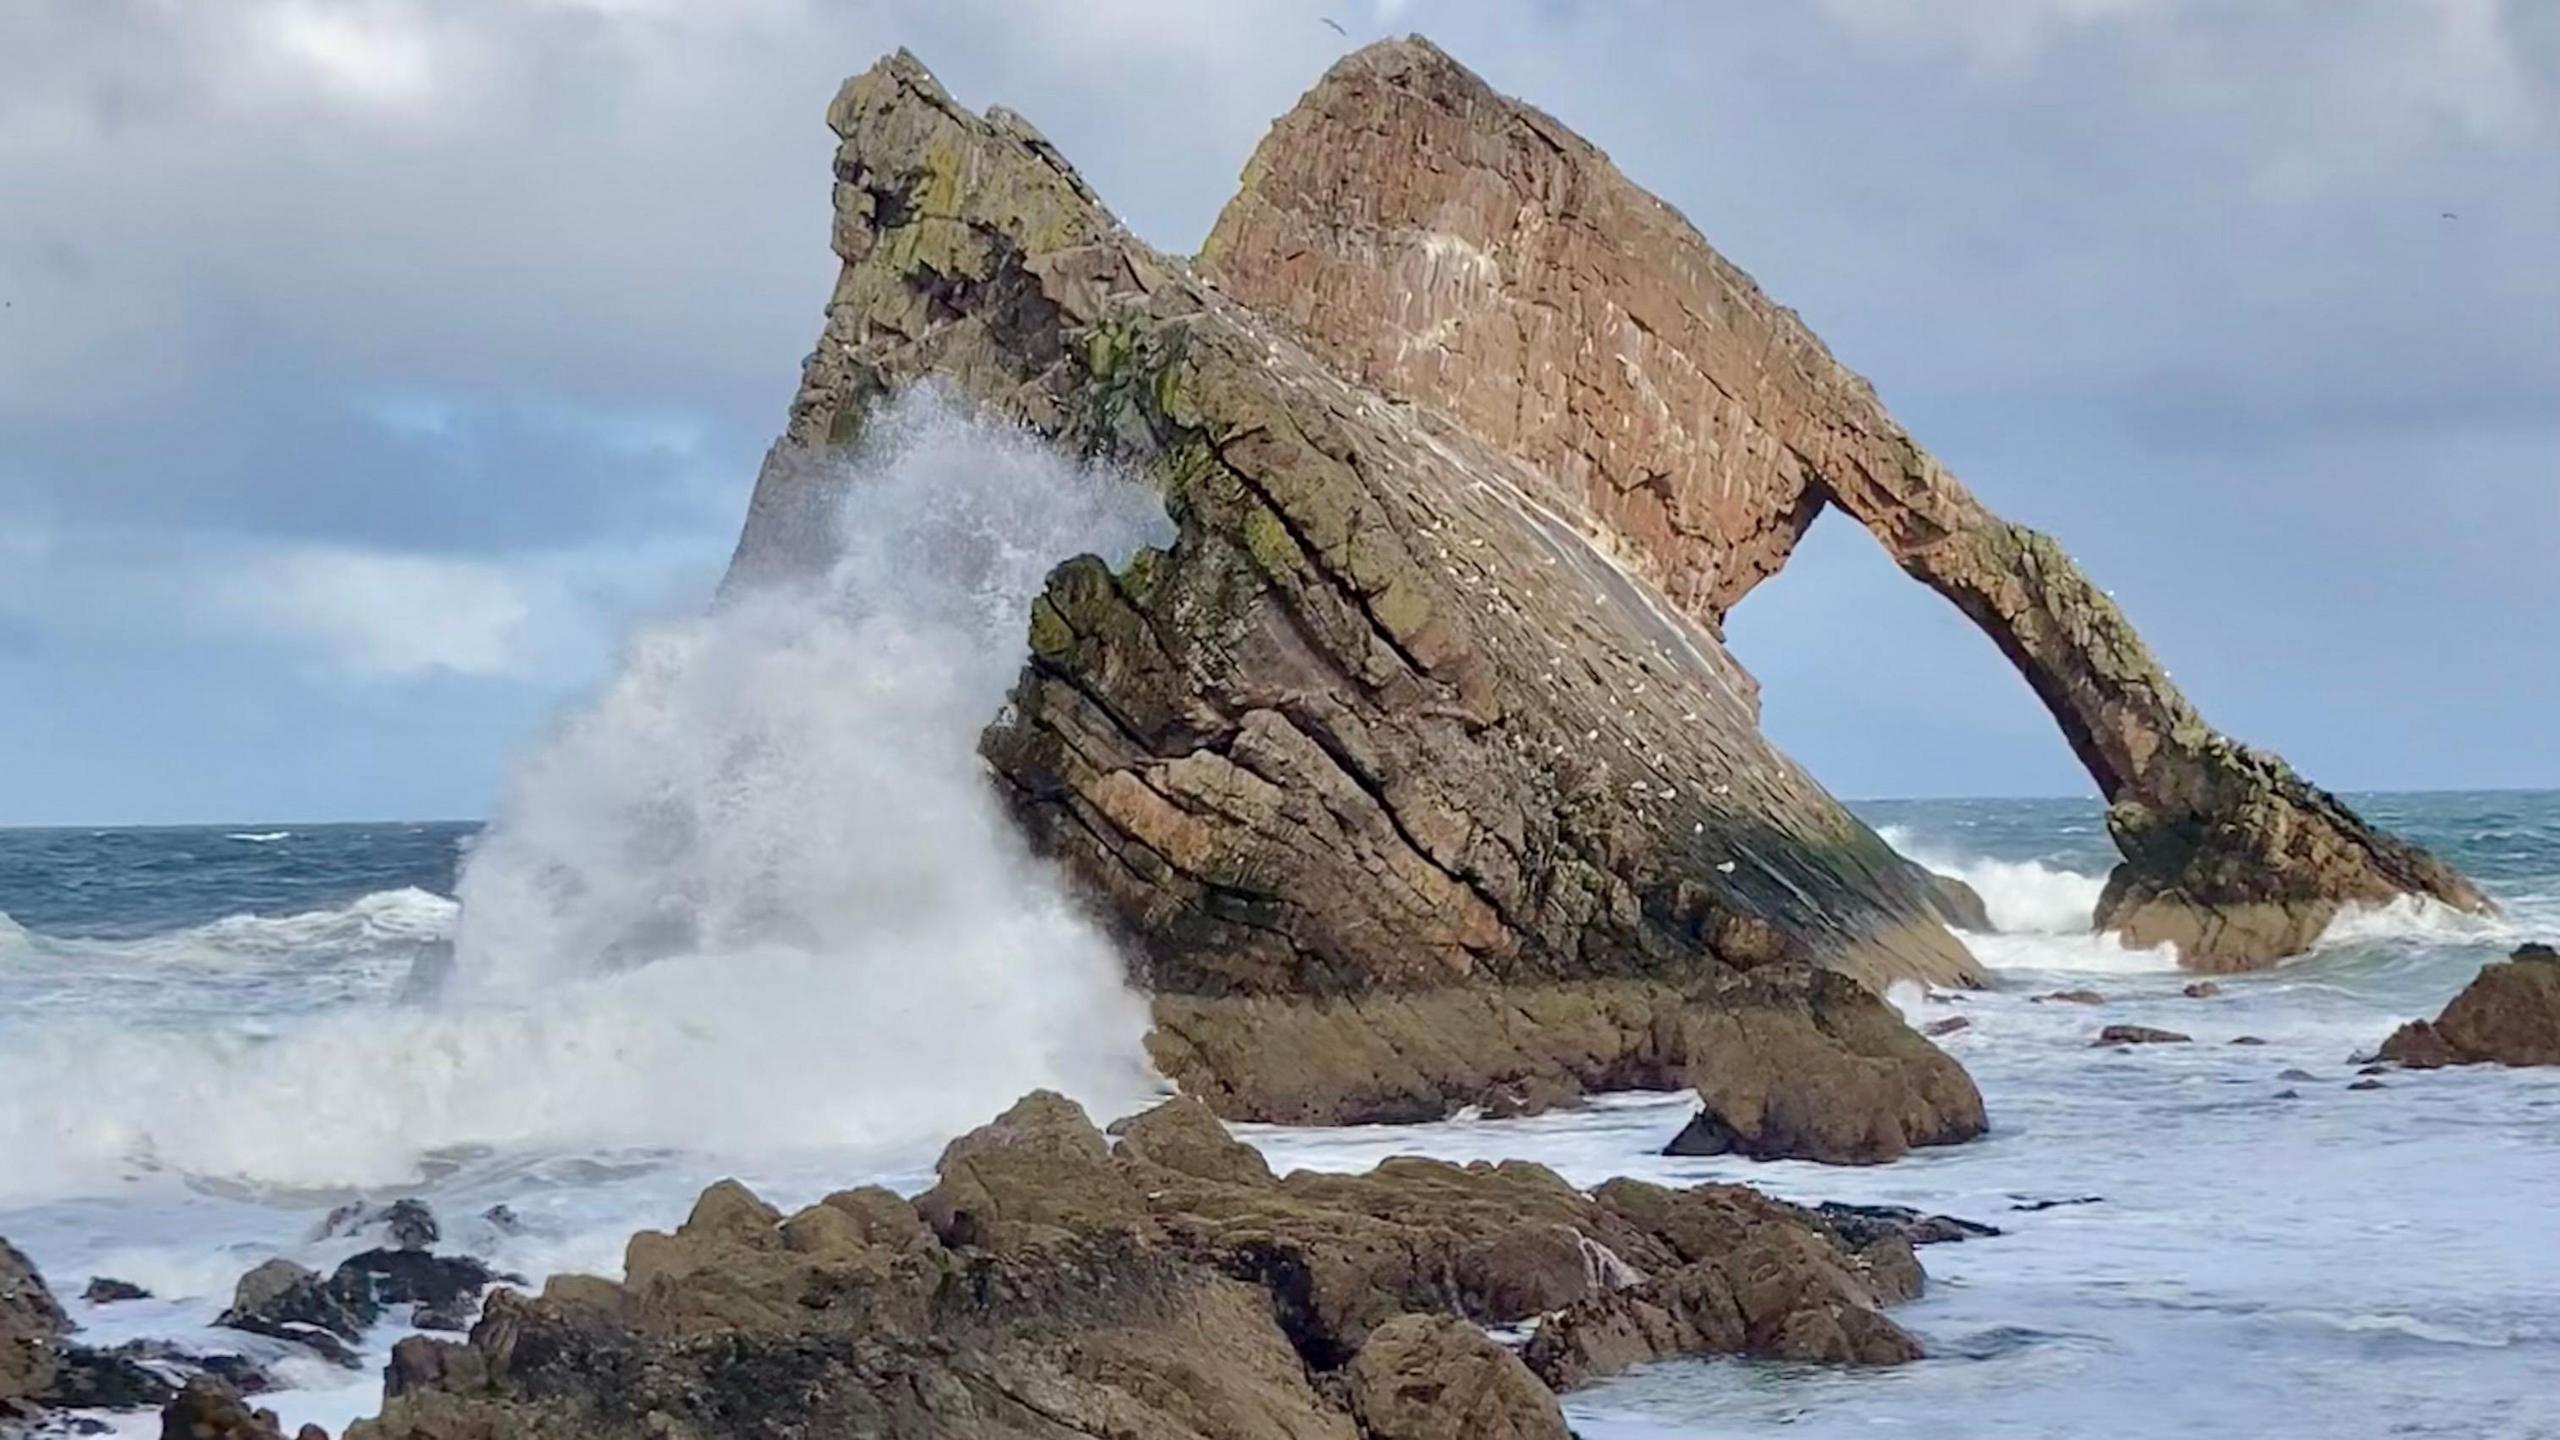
(503, 1219)
(2366, 1084)
(2139, 1035)
(414, 1277)
(208, 1409)
(2033, 1205)
(2248, 1040)
(1433, 1377)
(1862, 1225)
(411, 1225)
(107, 1290)
(2369, 1071)
(2295, 1073)
(87, 1379)
(2200, 990)
(2071, 997)
(1057, 1282)
(2288, 1094)
(291, 1302)
(2508, 1015)
(1948, 1026)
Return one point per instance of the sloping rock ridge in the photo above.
(1454, 248)
(1380, 721)
(1058, 1284)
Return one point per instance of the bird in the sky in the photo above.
(2448, 215)
(1335, 26)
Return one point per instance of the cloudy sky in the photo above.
(367, 367)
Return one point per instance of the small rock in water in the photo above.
(2288, 1094)
(2058, 1203)
(2247, 1040)
(2366, 1084)
(1863, 1225)
(2509, 1014)
(1948, 1026)
(2139, 1035)
(2073, 997)
(107, 1290)
(411, 1225)
(503, 1219)
(2370, 1070)
(2201, 990)
(2295, 1075)
(210, 1410)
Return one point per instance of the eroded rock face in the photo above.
(1790, 1061)
(1452, 247)
(1057, 1285)
(2508, 1015)
(1381, 722)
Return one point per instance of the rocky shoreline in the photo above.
(1057, 1282)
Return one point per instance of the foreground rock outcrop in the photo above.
(1382, 728)
(2508, 1015)
(1057, 1283)
(1457, 249)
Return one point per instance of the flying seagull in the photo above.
(2448, 215)
(1335, 26)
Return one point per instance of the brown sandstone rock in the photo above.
(1455, 248)
(1429, 1377)
(1224, 1302)
(1807, 1064)
(2509, 1015)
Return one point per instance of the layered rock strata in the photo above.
(1382, 722)
(1454, 248)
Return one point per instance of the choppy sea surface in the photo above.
(210, 1036)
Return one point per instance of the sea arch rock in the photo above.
(1381, 748)
(1465, 252)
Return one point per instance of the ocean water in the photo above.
(2338, 1264)
(752, 911)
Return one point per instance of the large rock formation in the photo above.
(1381, 723)
(2508, 1015)
(1451, 247)
(1056, 1286)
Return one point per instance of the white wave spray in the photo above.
(2041, 915)
(758, 896)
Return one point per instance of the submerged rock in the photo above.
(2508, 1015)
(208, 1409)
(2071, 997)
(107, 1290)
(1948, 1026)
(2200, 990)
(1058, 1282)
(2140, 1035)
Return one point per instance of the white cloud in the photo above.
(383, 616)
(374, 54)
